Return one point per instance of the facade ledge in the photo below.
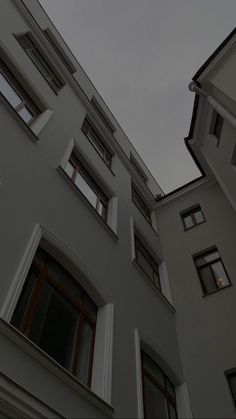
(41, 357)
(155, 289)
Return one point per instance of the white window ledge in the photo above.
(154, 288)
(35, 352)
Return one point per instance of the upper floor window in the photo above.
(56, 314)
(216, 125)
(40, 60)
(96, 141)
(158, 391)
(192, 217)
(140, 204)
(102, 115)
(147, 263)
(231, 377)
(138, 168)
(17, 97)
(211, 271)
(86, 184)
(59, 50)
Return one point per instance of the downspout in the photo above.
(193, 87)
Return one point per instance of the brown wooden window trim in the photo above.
(139, 247)
(101, 197)
(170, 399)
(142, 207)
(32, 49)
(27, 102)
(42, 277)
(106, 156)
(190, 213)
(208, 264)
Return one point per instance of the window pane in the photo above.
(152, 368)
(208, 257)
(39, 62)
(64, 279)
(69, 169)
(102, 210)
(84, 349)
(144, 264)
(53, 325)
(93, 138)
(155, 402)
(188, 222)
(86, 190)
(24, 300)
(25, 114)
(8, 92)
(40, 256)
(220, 274)
(208, 280)
(198, 216)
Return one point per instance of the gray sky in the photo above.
(141, 55)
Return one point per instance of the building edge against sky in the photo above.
(116, 301)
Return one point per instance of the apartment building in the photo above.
(101, 310)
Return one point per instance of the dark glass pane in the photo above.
(218, 126)
(188, 222)
(40, 257)
(90, 308)
(208, 257)
(85, 343)
(54, 324)
(155, 401)
(24, 300)
(198, 216)
(208, 281)
(232, 383)
(220, 274)
(144, 264)
(8, 92)
(63, 279)
(152, 368)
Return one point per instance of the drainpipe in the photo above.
(193, 87)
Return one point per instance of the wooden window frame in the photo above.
(87, 128)
(208, 264)
(164, 390)
(54, 80)
(191, 213)
(139, 247)
(101, 197)
(44, 277)
(27, 102)
(143, 208)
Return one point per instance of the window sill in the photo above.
(158, 292)
(35, 352)
(215, 291)
(36, 127)
(87, 203)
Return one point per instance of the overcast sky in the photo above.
(141, 55)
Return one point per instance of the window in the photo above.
(231, 377)
(56, 314)
(147, 263)
(59, 50)
(233, 159)
(138, 169)
(85, 183)
(158, 391)
(192, 217)
(211, 271)
(216, 125)
(102, 115)
(140, 204)
(17, 96)
(40, 60)
(95, 140)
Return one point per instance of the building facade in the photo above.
(101, 308)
